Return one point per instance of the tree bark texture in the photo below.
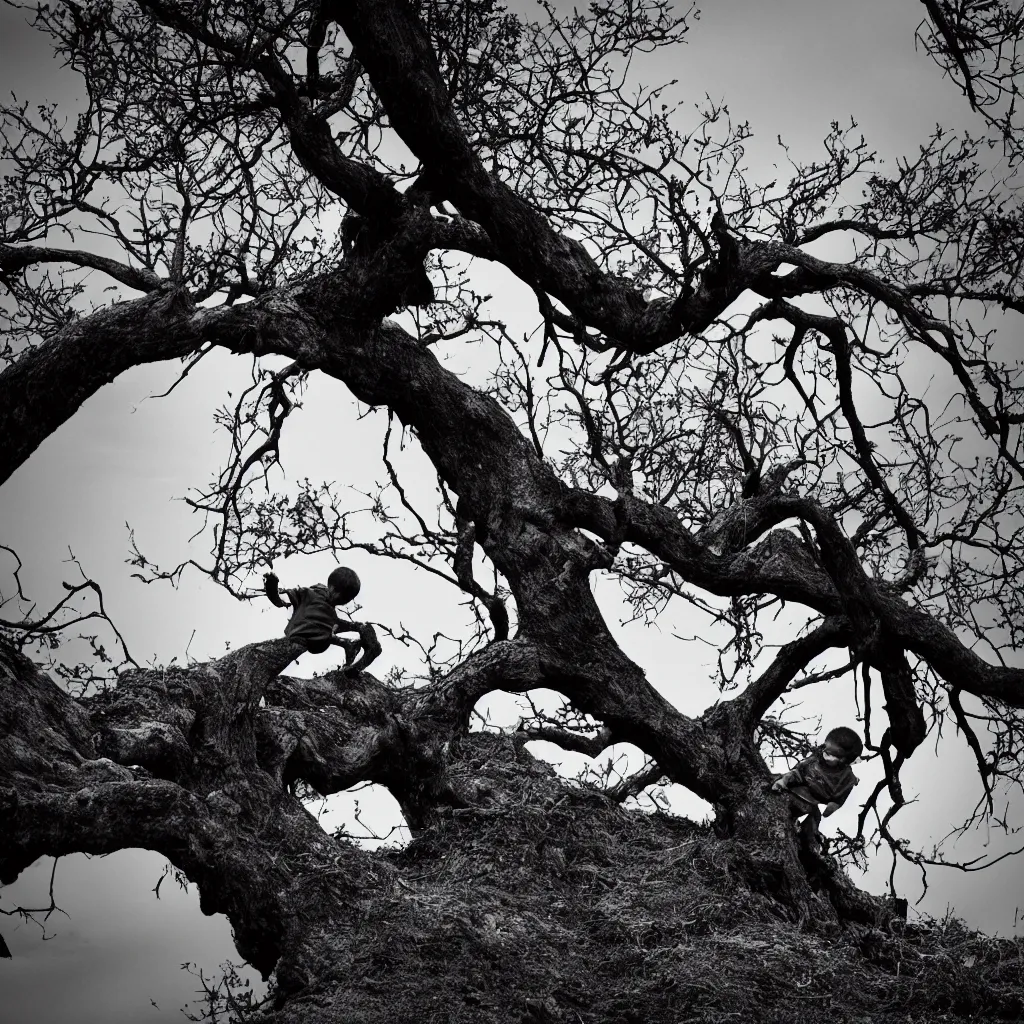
(200, 763)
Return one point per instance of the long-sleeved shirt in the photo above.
(815, 781)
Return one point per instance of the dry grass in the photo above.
(551, 905)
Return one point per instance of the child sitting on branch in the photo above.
(823, 778)
(314, 622)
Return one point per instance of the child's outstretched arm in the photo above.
(270, 582)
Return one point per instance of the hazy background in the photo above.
(790, 67)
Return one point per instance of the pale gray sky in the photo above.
(789, 67)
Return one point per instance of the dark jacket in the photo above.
(816, 782)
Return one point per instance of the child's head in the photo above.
(842, 744)
(342, 585)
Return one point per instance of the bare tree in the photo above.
(708, 412)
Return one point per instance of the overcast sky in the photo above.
(789, 67)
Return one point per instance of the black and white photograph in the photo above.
(511, 511)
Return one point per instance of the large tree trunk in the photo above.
(774, 858)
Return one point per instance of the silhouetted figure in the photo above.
(315, 622)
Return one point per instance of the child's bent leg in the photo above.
(809, 827)
(351, 648)
(799, 807)
(367, 644)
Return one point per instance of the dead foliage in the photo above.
(552, 904)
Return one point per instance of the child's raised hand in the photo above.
(270, 588)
